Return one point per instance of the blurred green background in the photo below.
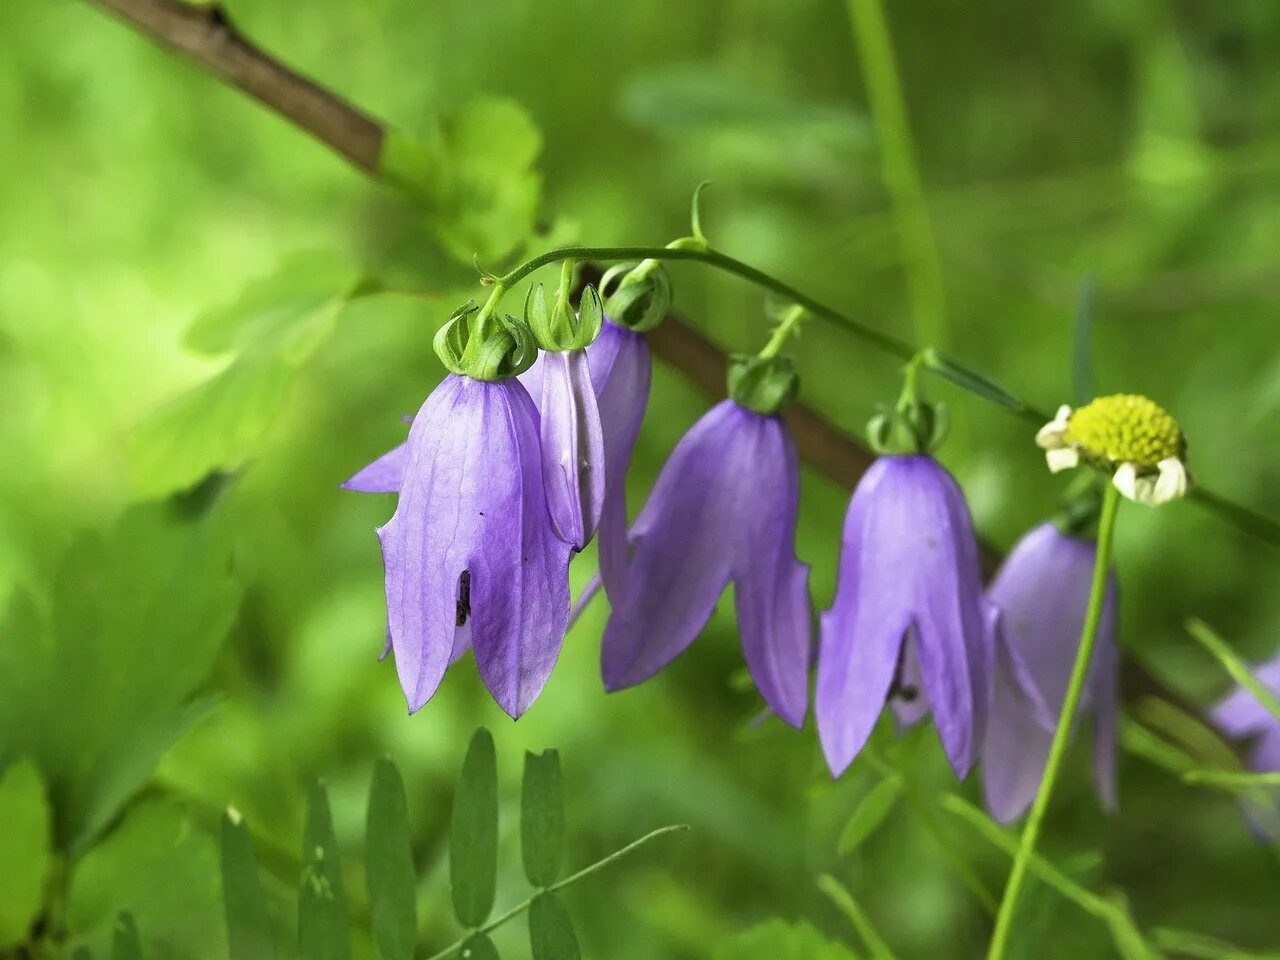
(1138, 140)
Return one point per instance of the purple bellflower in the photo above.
(1042, 592)
(723, 509)
(909, 620)
(470, 554)
(572, 442)
(620, 375)
(1240, 715)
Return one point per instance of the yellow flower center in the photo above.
(1125, 428)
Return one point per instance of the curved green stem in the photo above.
(789, 324)
(573, 878)
(1058, 748)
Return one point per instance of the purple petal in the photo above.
(723, 508)
(1239, 713)
(384, 475)
(573, 464)
(1043, 590)
(909, 559)
(621, 373)
(471, 541)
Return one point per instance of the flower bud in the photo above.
(762, 384)
(501, 348)
(641, 298)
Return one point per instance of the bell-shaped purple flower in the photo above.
(723, 509)
(620, 368)
(470, 549)
(572, 440)
(908, 601)
(1042, 593)
(1239, 715)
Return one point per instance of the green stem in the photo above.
(521, 907)
(843, 899)
(1232, 663)
(898, 168)
(789, 324)
(1231, 779)
(1058, 748)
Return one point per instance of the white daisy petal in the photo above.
(1125, 479)
(1171, 482)
(1062, 458)
(1050, 436)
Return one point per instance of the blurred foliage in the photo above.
(184, 584)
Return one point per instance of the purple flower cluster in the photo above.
(502, 482)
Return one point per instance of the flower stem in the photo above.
(521, 907)
(898, 168)
(1058, 748)
(1231, 662)
(788, 325)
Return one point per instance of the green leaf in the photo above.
(125, 944)
(163, 869)
(542, 818)
(274, 328)
(25, 856)
(248, 923)
(551, 935)
(137, 617)
(323, 929)
(473, 841)
(294, 302)
(476, 182)
(869, 814)
(970, 380)
(389, 865)
(478, 947)
(779, 940)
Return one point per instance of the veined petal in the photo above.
(620, 373)
(572, 444)
(771, 587)
(471, 544)
(1016, 746)
(1050, 436)
(384, 475)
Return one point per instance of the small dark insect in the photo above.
(464, 597)
(899, 689)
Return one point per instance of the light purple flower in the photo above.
(1042, 592)
(908, 601)
(1240, 715)
(620, 374)
(723, 509)
(470, 548)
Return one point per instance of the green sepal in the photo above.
(764, 385)
(642, 297)
(908, 428)
(508, 347)
(560, 328)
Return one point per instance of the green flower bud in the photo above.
(762, 384)
(908, 428)
(495, 350)
(642, 296)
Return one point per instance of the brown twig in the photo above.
(203, 33)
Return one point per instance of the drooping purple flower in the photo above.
(620, 374)
(723, 509)
(1042, 592)
(908, 598)
(471, 548)
(1239, 715)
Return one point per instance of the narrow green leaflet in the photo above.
(248, 923)
(389, 865)
(970, 380)
(542, 818)
(870, 813)
(551, 935)
(125, 944)
(779, 940)
(478, 947)
(844, 900)
(25, 837)
(473, 840)
(323, 929)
